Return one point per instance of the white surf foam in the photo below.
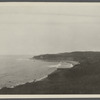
(56, 66)
(42, 78)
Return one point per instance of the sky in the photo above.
(40, 28)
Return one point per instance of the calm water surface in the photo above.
(15, 70)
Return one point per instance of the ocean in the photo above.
(20, 69)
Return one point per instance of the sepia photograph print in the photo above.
(49, 48)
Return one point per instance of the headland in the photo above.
(82, 78)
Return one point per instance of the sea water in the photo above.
(20, 69)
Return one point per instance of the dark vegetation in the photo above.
(83, 78)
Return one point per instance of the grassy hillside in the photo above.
(81, 79)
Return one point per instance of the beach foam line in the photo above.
(42, 78)
(56, 66)
(12, 85)
(18, 84)
(35, 80)
(71, 65)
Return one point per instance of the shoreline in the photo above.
(82, 78)
(39, 79)
(32, 81)
(35, 80)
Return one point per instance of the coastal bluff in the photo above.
(83, 78)
(70, 56)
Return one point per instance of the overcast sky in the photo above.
(39, 28)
